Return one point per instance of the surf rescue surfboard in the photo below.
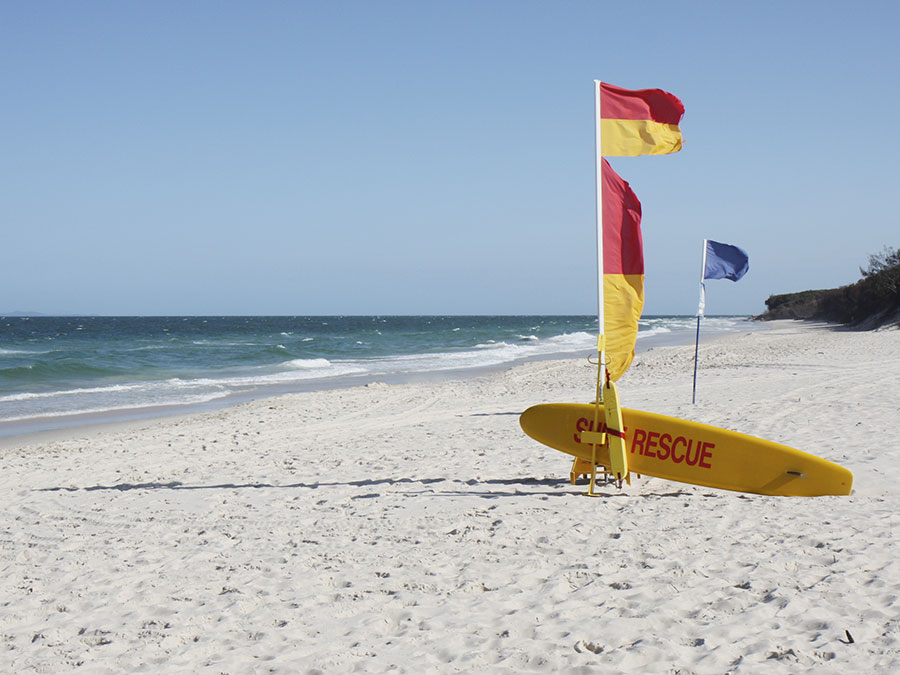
(690, 452)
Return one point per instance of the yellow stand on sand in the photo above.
(579, 467)
(582, 467)
(612, 438)
(596, 439)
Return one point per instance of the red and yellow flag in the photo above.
(639, 121)
(623, 270)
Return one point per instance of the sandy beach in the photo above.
(415, 528)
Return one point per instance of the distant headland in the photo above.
(872, 302)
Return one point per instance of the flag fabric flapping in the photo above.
(724, 261)
(623, 270)
(639, 122)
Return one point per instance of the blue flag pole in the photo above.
(700, 309)
(720, 261)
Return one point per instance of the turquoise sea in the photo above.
(57, 372)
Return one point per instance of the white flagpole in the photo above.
(701, 307)
(601, 327)
(601, 317)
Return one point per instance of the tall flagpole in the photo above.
(700, 308)
(601, 325)
(601, 318)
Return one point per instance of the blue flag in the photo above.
(724, 261)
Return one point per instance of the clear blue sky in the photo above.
(431, 157)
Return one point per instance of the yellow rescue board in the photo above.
(690, 452)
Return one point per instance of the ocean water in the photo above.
(61, 371)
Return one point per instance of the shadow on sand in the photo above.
(524, 482)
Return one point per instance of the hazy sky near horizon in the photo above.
(431, 157)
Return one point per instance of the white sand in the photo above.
(416, 528)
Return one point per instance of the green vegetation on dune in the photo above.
(871, 302)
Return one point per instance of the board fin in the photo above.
(615, 434)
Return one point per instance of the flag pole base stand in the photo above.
(583, 468)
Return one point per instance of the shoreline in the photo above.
(53, 427)
(415, 527)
